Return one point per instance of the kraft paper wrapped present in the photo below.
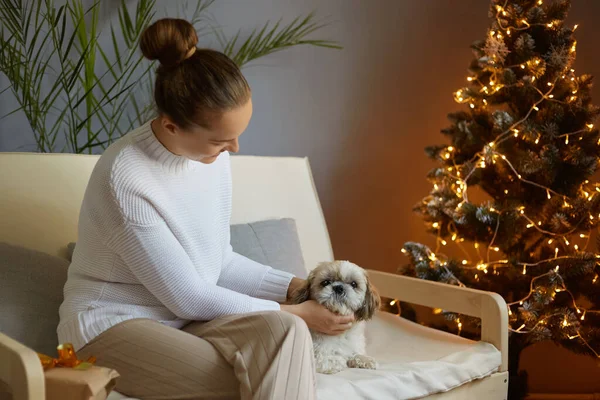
(93, 383)
(69, 378)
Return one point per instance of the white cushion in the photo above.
(414, 361)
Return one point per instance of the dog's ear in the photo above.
(302, 294)
(370, 305)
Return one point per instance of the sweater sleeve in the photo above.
(160, 263)
(254, 279)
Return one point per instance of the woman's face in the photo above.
(205, 144)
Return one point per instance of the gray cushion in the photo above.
(31, 290)
(272, 242)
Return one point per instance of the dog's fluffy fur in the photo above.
(343, 288)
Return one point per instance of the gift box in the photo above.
(93, 383)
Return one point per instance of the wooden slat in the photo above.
(21, 369)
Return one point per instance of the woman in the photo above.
(154, 252)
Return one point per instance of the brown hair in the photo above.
(191, 84)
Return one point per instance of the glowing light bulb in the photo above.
(508, 32)
(454, 236)
(469, 78)
(550, 241)
(436, 224)
(537, 140)
(549, 83)
(472, 105)
(524, 269)
(565, 323)
(567, 242)
(496, 248)
(576, 247)
(595, 279)
(583, 316)
(530, 226)
(476, 245)
(556, 252)
(575, 27)
(551, 96)
(403, 251)
(557, 268)
(505, 191)
(444, 242)
(447, 156)
(590, 126)
(536, 108)
(567, 139)
(464, 262)
(540, 2)
(550, 25)
(491, 144)
(392, 302)
(548, 194)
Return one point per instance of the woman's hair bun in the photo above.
(168, 40)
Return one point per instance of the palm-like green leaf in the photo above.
(272, 38)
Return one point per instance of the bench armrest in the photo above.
(21, 369)
(488, 306)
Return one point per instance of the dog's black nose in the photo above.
(338, 289)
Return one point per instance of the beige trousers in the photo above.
(266, 355)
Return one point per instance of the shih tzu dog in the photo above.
(343, 288)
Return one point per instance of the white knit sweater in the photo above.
(154, 242)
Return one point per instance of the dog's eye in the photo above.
(325, 283)
(354, 284)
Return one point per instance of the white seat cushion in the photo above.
(414, 361)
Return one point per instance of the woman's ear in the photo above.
(302, 294)
(370, 305)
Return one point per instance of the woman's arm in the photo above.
(246, 276)
(161, 264)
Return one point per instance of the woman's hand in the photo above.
(294, 284)
(319, 318)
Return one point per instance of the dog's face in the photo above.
(343, 288)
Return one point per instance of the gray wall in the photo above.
(364, 114)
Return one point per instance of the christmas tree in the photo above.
(512, 194)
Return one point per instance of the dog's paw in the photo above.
(331, 365)
(361, 361)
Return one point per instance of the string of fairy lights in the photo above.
(481, 160)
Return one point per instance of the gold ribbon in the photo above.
(66, 359)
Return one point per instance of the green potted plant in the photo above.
(71, 85)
